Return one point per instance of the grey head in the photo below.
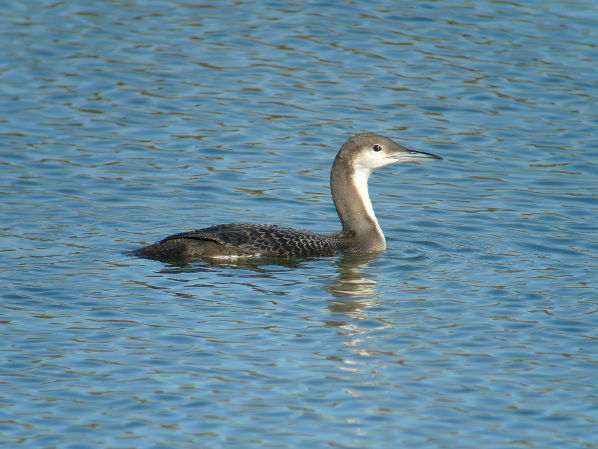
(357, 159)
(368, 152)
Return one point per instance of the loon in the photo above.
(357, 159)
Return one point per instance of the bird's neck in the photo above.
(352, 201)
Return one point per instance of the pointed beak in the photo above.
(422, 155)
(413, 156)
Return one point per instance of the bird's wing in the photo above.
(267, 240)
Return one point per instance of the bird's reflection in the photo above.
(353, 286)
(257, 264)
(352, 279)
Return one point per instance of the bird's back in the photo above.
(241, 239)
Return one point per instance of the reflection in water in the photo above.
(356, 288)
(353, 281)
(349, 283)
(258, 264)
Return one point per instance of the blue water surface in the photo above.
(124, 122)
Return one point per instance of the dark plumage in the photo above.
(356, 160)
(242, 239)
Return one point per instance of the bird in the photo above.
(356, 160)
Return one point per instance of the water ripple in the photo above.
(122, 123)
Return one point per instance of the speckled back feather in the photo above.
(242, 239)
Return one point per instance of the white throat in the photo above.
(360, 181)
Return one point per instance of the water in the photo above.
(122, 123)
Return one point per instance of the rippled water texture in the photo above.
(123, 122)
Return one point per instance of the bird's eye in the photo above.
(377, 148)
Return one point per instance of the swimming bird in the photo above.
(357, 159)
